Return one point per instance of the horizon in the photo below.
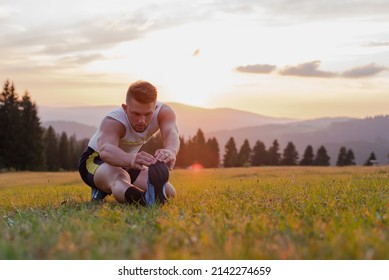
(301, 60)
(212, 108)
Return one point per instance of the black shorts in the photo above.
(90, 161)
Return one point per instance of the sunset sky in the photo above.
(300, 59)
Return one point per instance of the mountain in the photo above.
(363, 136)
(81, 131)
(189, 118)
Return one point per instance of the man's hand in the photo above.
(166, 156)
(142, 159)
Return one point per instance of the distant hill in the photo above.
(363, 136)
(81, 131)
(189, 118)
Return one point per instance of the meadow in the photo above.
(242, 213)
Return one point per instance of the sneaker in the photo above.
(158, 177)
(97, 195)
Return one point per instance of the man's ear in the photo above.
(124, 106)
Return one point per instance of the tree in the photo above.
(213, 153)
(290, 155)
(322, 159)
(10, 126)
(273, 155)
(231, 154)
(63, 147)
(30, 147)
(342, 157)
(244, 153)
(182, 156)
(308, 158)
(350, 159)
(259, 154)
(51, 149)
(371, 160)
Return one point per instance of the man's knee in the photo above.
(170, 191)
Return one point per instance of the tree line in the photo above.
(25, 145)
(198, 150)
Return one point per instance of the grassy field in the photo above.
(244, 213)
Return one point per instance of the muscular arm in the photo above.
(169, 134)
(111, 131)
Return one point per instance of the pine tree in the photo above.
(63, 148)
(31, 149)
(322, 158)
(273, 155)
(199, 148)
(259, 154)
(371, 160)
(342, 157)
(290, 155)
(308, 158)
(231, 154)
(350, 158)
(51, 150)
(244, 153)
(213, 153)
(182, 156)
(73, 156)
(10, 126)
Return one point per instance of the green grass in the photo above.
(243, 213)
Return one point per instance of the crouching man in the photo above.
(112, 163)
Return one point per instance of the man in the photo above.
(112, 163)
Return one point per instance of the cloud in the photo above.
(308, 69)
(308, 9)
(256, 68)
(78, 60)
(377, 44)
(7, 12)
(364, 71)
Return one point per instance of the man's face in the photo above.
(139, 114)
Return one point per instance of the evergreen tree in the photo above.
(244, 153)
(350, 158)
(213, 153)
(371, 160)
(322, 158)
(10, 126)
(231, 154)
(290, 155)
(342, 161)
(73, 156)
(63, 148)
(51, 150)
(273, 155)
(199, 148)
(182, 156)
(308, 158)
(259, 154)
(30, 149)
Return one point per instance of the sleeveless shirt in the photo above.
(132, 140)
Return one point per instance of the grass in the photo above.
(243, 213)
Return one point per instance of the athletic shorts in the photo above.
(89, 162)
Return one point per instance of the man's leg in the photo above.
(142, 179)
(113, 179)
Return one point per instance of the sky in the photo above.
(299, 59)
